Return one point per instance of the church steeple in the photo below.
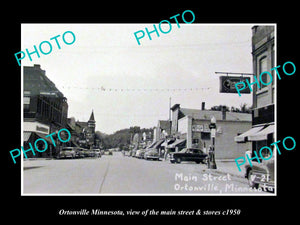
(92, 116)
(92, 123)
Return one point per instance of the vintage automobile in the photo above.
(87, 153)
(67, 152)
(140, 153)
(188, 154)
(80, 153)
(97, 153)
(151, 153)
(133, 152)
(261, 174)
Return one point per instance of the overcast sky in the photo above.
(127, 84)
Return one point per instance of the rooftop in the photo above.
(207, 115)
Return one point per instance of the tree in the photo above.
(244, 108)
(219, 108)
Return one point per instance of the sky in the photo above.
(126, 84)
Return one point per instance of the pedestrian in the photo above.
(167, 150)
(210, 155)
(204, 147)
(248, 153)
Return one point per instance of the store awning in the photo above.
(152, 144)
(242, 137)
(262, 134)
(26, 136)
(167, 142)
(177, 142)
(158, 143)
(41, 135)
(164, 144)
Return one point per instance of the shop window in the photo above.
(195, 143)
(205, 135)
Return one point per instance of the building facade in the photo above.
(163, 129)
(192, 126)
(263, 55)
(45, 109)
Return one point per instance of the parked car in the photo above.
(79, 153)
(261, 174)
(97, 153)
(140, 153)
(108, 152)
(188, 154)
(151, 153)
(67, 152)
(133, 152)
(87, 153)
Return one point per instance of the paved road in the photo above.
(126, 175)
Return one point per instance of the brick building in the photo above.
(45, 108)
(86, 133)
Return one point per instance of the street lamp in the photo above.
(211, 164)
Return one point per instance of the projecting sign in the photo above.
(227, 84)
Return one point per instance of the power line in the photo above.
(111, 89)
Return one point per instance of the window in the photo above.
(26, 103)
(195, 143)
(205, 135)
(263, 66)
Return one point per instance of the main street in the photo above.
(120, 174)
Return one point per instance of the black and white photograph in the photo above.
(129, 109)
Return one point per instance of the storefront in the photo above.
(33, 131)
(194, 129)
(262, 132)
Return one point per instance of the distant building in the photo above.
(163, 129)
(263, 55)
(86, 133)
(191, 126)
(45, 108)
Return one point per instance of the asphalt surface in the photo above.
(120, 175)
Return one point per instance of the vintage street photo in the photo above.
(148, 109)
